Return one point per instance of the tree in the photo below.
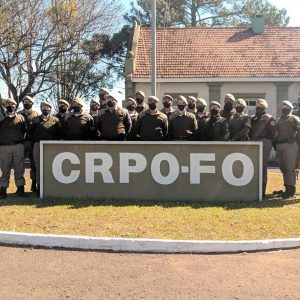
(193, 13)
(36, 34)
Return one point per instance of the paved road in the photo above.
(55, 274)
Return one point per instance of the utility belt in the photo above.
(10, 144)
(286, 141)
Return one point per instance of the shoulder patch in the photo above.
(272, 123)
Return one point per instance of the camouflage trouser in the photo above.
(36, 155)
(267, 147)
(28, 149)
(12, 157)
(287, 156)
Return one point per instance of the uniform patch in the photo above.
(272, 123)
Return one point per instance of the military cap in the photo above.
(154, 98)
(262, 102)
(230, 97)
(28, 98)
(132, 100)
(168, 97)
(11, 101)
(241, 102)
(43, 103)
(288, 103)
(79, 101)
(95, 101)
(192, 98)
(111, 97)
(214, 103)
(182, 98)
(104, 90)
(140, 93)
(201, 101)
(63, 101)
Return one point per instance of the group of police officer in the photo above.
(21, 132)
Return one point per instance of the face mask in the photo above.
(191, 105)
(200, 109)
(214, 112)
(27, 105)
(228, 106)
(111, 104)
(62, 109)
(10, 108)
(260, 111)
(152, 106)
(103, 105)
(239, 109)
(140, 101)
(286, 111)
(181, 107)
(45, 112)
(167, 105)
(94, 108)
(102, 97)
(77, 109)
(131, 107)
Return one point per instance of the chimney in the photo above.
(258, 24)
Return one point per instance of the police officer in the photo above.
(42, 128)
(28, 113)
(228, 109)
(114, 121)
(63, 107)
(263, 128)
(182, 124)
(152, 125)
(287, 140)
(192, 105)
(131, 106)
(240, 123)
(201, 116)
(103, 93)
(94, 109)
(167, 102)
(215, 126)
(140, 101)
(79, 124)
(12, 131)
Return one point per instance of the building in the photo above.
(211, 62)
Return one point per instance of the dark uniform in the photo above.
(28, 145)
(168, 113)
(131, 136)
(114, 125)
(215, 129)
(12, 131)
(182, 126)
(288, 138)
(152, 127)
(228, 114)
(43, 130)
(263, 128)
(239, 127)
(200, 118)
(142, 108)
(79, 127)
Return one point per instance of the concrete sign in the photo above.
(179, 171)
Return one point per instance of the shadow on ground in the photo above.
(74, 203)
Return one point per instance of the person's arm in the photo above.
(127, 123)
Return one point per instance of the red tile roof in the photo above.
(220, 52)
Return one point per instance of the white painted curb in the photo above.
(142, 245)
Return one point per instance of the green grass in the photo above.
(272, 218)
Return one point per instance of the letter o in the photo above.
(173, 168)
(227, 171)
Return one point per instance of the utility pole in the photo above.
(153, 47)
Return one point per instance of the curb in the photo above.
(143, 245)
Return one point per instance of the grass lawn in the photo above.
(271, 218)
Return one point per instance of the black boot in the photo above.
(2, 193)
(292, 191)
(287, 192)
(33, 185)
(20, 192)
